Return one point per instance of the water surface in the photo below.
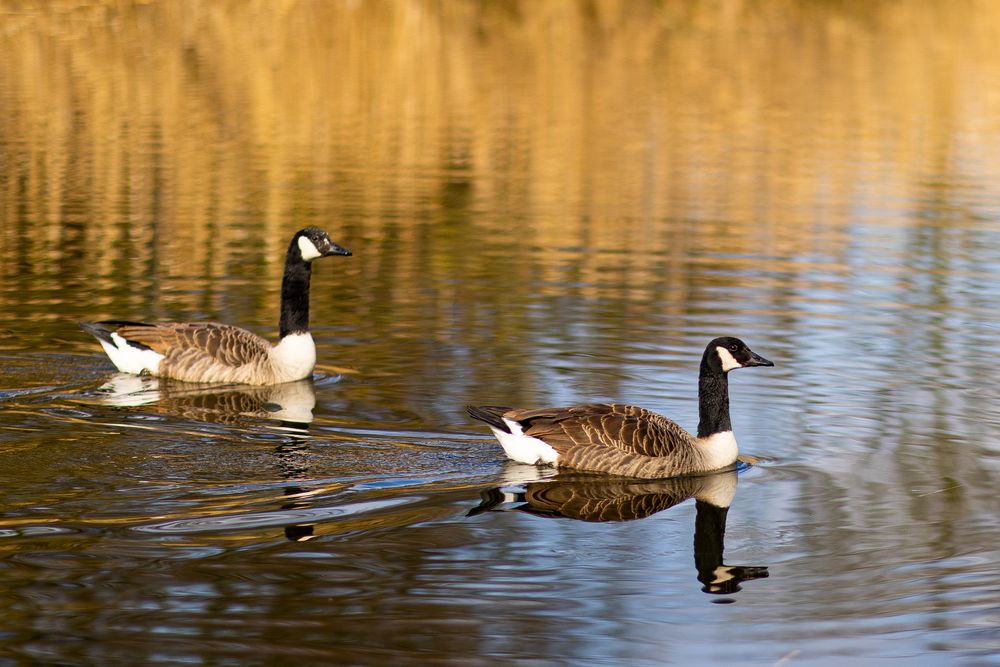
(547, 203)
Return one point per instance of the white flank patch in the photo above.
(719, 449)
(308, 249)
(728, 360)
(294, 357)
(130, 359)
(524, 448)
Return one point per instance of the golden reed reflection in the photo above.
(140, 130)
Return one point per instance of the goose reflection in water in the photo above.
(290, 403)
(589, 498)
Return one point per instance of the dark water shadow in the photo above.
(584, 497)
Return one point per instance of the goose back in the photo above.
(626, 428)
(197, 351)
(615, 438)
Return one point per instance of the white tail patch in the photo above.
(129, 359)
(523, 448)
(308, 249)
(728, 360)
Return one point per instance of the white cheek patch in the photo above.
(722, 574)
(728, 360)
(308, 249)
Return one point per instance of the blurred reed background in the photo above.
(179, 129)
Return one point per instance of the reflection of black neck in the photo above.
(713, 401)
(709, 539)
(294, 467)
(295, 294)
(293, 460)
(709, 543)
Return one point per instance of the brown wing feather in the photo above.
(627, 428)
(189, 342)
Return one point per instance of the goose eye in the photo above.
(734, 347)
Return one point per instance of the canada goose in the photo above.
(210, 352)
(628, 440)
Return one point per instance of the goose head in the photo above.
(313, 243)
(728, 353)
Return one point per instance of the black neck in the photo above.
(295, 294)
(713, 400)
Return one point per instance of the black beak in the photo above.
(757, 360)
(335, 249)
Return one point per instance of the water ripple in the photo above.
(246, 521)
